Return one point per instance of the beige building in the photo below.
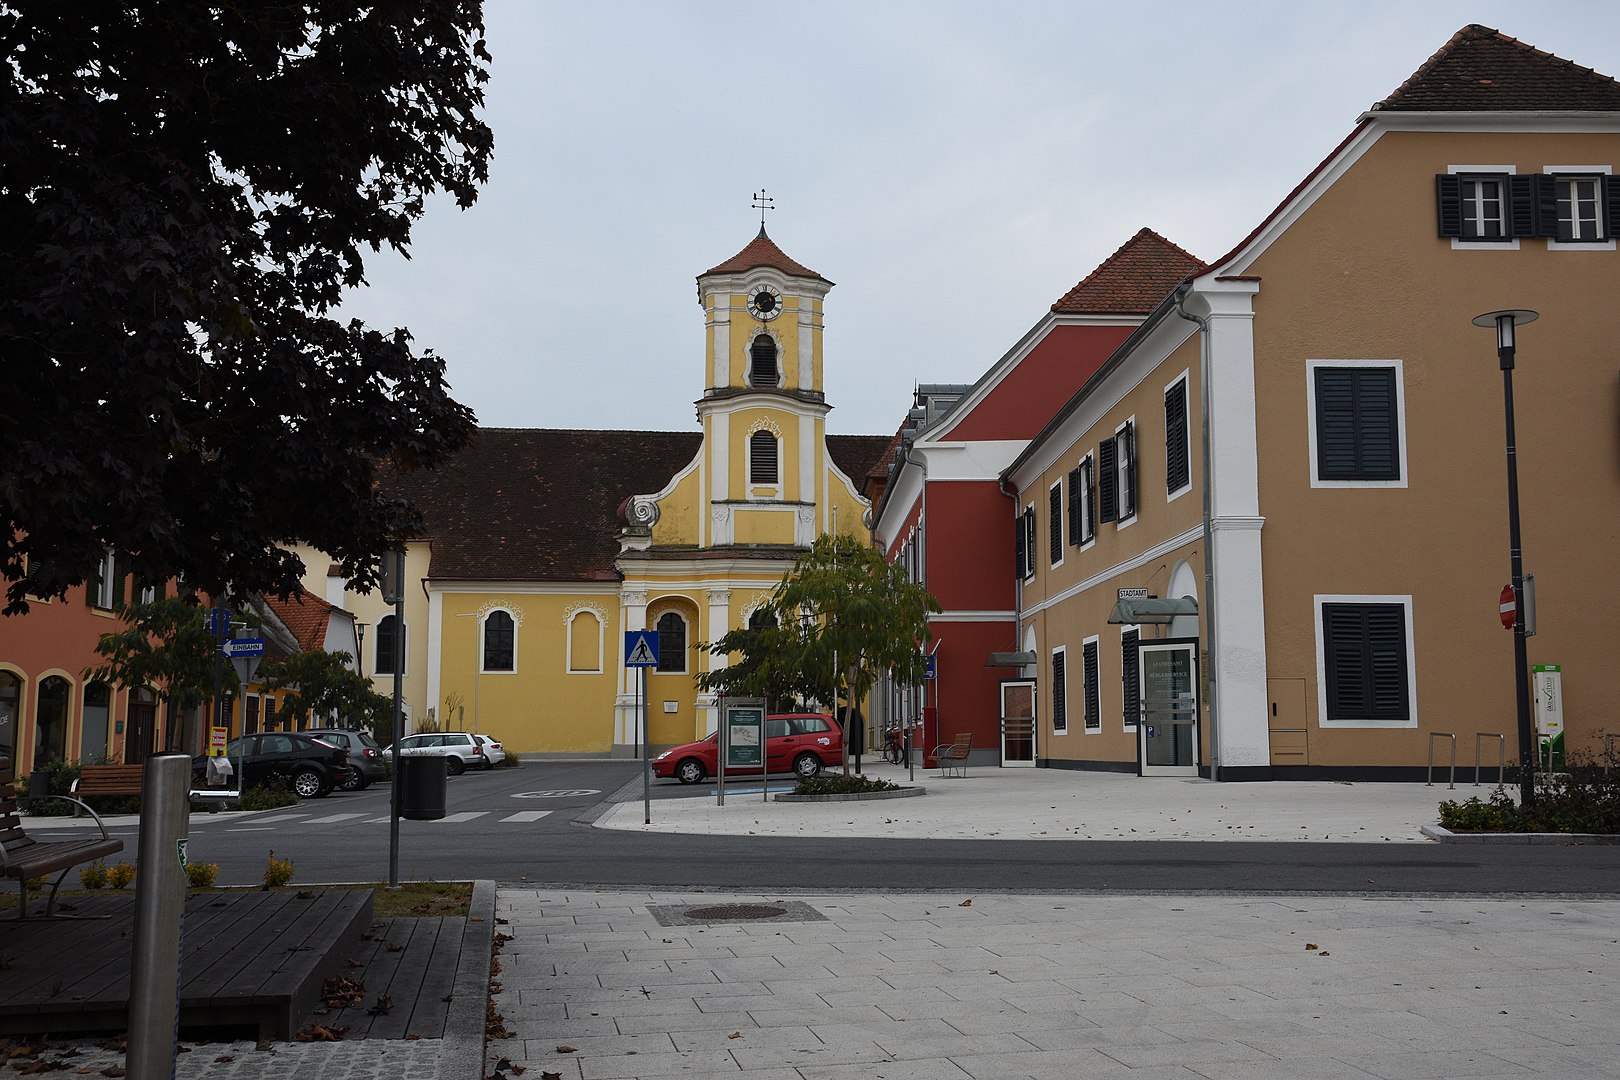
(1350, 479)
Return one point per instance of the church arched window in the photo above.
(762, 369)
(500, 641)
(671, 642)
(763, 464)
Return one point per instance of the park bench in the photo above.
(108, 780)
(954, 754)
(24, 858)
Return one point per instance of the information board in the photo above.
(745, 737)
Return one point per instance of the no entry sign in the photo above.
(1510, 607)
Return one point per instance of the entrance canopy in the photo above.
(1138, 610)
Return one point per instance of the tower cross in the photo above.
(763, 202)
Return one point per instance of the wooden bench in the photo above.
(954, 754)
(24, 858)
(108, 780)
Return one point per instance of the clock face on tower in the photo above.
(765, 303)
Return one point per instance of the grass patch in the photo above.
(412, 900)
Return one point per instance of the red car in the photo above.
(801, 743)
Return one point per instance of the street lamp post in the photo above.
(394, 593)
(1505, 323)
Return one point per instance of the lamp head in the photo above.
(1505, 321)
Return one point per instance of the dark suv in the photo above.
(310, 768)
(365, 756)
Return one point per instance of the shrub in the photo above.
(201, 874)
(62, 773)
(843, 785)
(121, 875)
(267, 797)
(1476, 816)
(277, 872)
(1583, 798)
(94, 876)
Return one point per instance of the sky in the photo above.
(953, 167)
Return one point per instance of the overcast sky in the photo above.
(954, 167)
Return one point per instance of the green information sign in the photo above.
(745, 737)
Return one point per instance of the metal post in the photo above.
(398, 570)
(646, 753)
(1521, 659)
(160, 900)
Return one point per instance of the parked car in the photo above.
(365, 756)
(460, 749)
(311, 768)
(493, 751)
(800, 743)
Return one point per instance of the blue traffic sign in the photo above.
(244, 647)
(932, 669)
(219, 622)
(641, 648)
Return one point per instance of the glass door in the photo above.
(1168, 732)
(1018, 723)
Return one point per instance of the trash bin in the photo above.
(421, 781)
(39, 784)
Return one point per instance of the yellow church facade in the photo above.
(541, 548)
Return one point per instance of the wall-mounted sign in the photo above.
(1133, 594)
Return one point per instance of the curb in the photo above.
(857, 796)
(469, 1001)
(1446, 836)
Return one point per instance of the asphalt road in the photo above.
(530, 825)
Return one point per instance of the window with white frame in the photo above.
(1177, 442)
(103, 590)
(1364, 661)
(1082, 503)
(500, 641)
(1486, 204)
(1060, 691)
(763, 370)
(1093, 702)
(671, 629)
(1054, 523)
(1125, 440)
(764, 464)
(1356, 419)
(584, 643)
(1580, 209)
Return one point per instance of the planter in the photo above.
(858, 796)
(1446, 836)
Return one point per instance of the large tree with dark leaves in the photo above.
(188, 189)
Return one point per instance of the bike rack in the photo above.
(1433, 735)
(1608, 751)
(1501, 755)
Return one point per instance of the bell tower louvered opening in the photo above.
(762, 368)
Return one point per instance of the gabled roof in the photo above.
(762, 252)
(861, 457)
(1483, 70)
(1132, 280)
(541, 504)
(306, 616)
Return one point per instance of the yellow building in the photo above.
(541, 548)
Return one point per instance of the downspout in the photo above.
(1018, 582)
(1207, 605)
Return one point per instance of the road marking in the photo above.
(379, 820)
(565, 793)
(527, 815)
(254, 828)
(330, 818)
(451, 819)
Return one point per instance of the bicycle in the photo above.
(894, 747)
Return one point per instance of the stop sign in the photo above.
(1509, 607)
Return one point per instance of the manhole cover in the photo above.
(734, 911)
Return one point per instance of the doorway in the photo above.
(142, 723)
(1018, 723)
(1167, 736)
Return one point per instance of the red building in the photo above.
(946, 516)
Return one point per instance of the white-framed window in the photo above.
(1125, 442)
(1054, 524)
(103, 591)
(671, 628)
(764, 367)
(1485, 207)
(1585, 197)
(497, 649)
(764, 459)
(1083, 502)
(585, 642)
(1093, 702)
(1177, 440)
(1060, 691)
(1356, 423)
(1366, 676)
(382, 661)
(148, 594)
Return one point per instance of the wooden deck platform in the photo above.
(250, 961)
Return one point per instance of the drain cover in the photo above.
(727, 912)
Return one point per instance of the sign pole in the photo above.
(646, 754)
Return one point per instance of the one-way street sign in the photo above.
(641, 648)
(244, 647)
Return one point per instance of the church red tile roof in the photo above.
(1131, 281)
(762, 252)
(541, 504)
(306, 616)
(1484, 70)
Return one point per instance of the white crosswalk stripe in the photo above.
(451, 819)
(527, 815)
(330, 818)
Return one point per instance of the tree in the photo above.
(165, 646)
(188, 191)
(841, 618)
(324, 685)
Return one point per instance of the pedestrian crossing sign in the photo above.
(641, 648)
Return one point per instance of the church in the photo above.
(541, 548)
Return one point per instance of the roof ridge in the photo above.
(1112, 263)
(1470, 33)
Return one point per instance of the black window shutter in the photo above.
(1092, 705)
(1176, 467)
(763, 459)
(1448, 196)
(1546, 205)
(1060, 704)
(1090, 466)
(1127, 453)
(1107, 481)
(1521, 191)
(1029, 540)
(1075, 506)
(1128, 681)
(1365, 653)
(1054, 525)
(1018, 547)
(1356, 435)
(1611, 208)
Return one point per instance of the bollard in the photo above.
(160, 898)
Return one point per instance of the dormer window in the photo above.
(762, 368)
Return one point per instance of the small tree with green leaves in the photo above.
(324, 685)
(841, 618)
(165, 646)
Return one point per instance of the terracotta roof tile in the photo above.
(762, 251)
(306, 616)
(1483, 70)
(1131, 281)
(860, 455)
